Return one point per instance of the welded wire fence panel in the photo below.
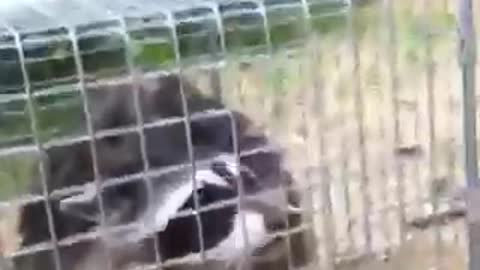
(152, 132)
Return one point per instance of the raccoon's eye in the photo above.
(114, 140)
(221, 169)
(249, 179)
(200, 193)
(203, 196)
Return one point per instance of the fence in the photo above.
(364, 96)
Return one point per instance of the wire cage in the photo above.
(363, 99)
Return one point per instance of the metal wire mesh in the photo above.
(370, 126)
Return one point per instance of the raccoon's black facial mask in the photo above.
(216, 182)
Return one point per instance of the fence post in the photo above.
(467, 61)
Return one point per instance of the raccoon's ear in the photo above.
(83, 205)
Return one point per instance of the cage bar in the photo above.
(467, 61)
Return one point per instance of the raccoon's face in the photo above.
(226, 230)
(157, 203)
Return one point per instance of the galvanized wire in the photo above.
(326, 164)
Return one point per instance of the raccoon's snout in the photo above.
(235, 174)
(272, 203)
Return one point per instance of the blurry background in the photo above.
(366, 102)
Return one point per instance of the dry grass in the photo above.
(308, 101)
(8, 239)
(419, 252)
